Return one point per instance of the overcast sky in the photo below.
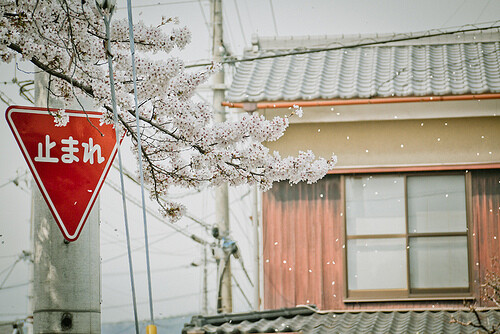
(177, 284)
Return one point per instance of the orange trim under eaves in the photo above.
(402, 169)
(249, 106)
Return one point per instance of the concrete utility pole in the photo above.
(67, 275)
(221, 193)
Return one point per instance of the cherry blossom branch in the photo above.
(47, 69)
(479, 324)
(183, 145)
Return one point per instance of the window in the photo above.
(406, 236)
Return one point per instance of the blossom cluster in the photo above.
(61, 118)
(182, 144)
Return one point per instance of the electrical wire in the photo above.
(242, 292)
(239, 21)
(15, 286)
(14, 180)
(121, 273)
(107, 19)
(239, 224)
(167, 299)
(454, 13)
(268, 279)
(115, 239)
(249, 17)
(274, 17)
(228, 29)
(6, 99)
(11, 268)
(157, 4)
(171, 225)
(136, 249)
(406, 37)
(205, 20)
(187, 215)
(128, 174)
(482, 11)
(139, 149)
(6, 256)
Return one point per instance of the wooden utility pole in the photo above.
(67, 275)
(221, 193)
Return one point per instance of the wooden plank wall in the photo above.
(303, 243)
(486, 228)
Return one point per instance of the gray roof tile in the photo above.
(309, 322)
(374, 71)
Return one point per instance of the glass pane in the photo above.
(376, 264)
(436, 204)
(439, 262)
(375, 205)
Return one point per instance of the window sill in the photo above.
(410, 299)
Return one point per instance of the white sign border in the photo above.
(70, 113)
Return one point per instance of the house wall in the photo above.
(303, 244)
(397, 142)
(392, 111)
(303, 236)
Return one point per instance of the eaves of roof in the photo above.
(437, 69)
(306, 320)
(251, 106)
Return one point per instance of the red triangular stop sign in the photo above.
(69, 163)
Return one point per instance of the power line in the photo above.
(187, 215)
(129, 175)
(454, 13)
(239, 224)
(25, 255)
(248, 13)
(482, 11)
(158, 300)
(242, 292)
(6, 99)
(9, 267)
(227, 28)
(239, 21)
(6, 256)
(407, 37)
(137, 248)
(14, 180)
(117, 240)
(181, 253)
(274, 17)
(171, 225)
(160, 4)
(274, 287)
(205, 19)
(15, 286)
(119, 273)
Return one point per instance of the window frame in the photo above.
(410, 294)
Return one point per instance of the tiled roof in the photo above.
(307, 321)
(418, 68)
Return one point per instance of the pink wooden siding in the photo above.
(486, 218)
(303, 243)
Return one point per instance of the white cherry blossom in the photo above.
(182, 145)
